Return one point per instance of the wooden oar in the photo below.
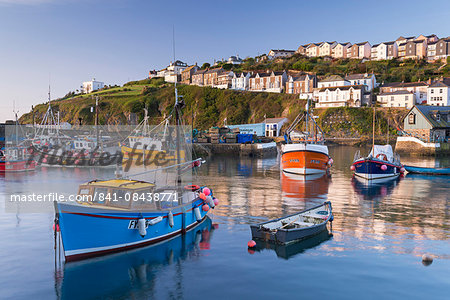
(298, 217)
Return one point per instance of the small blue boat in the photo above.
(427, 171)
(381, 163)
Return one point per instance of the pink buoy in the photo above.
(384, 167)
(331, 161)
(57, 227)
(402, 170)
(216, 201)
(206, 191)
(77, 161)
(251, 244)
(202, 196)
(205, 207)
(352, 168)
(44, 160)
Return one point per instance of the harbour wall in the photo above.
(414, 146)
(252, 150)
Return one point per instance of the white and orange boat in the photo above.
(305, 152)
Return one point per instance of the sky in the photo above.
(66, 42)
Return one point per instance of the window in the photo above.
(438, 116)
(440, 91)
(412, 119)
(432, 91)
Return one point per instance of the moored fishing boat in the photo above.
(381, 163)
(305, 153)
(125, 214)
(119, 214)
(295, 227)
(16, 159)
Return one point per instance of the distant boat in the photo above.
(16, 159)
(295, 227)
(304, 152)
(427, 171)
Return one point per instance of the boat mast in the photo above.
(15, 125)
(373, 131)
(307, 115)
(177, 112)
(96, 121)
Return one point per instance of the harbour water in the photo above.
(373, 251)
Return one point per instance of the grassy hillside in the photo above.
(209, 107)
(205, 106)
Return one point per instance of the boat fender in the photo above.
(216, 201)
(384, 167)
(198, 215)
(402, 170)
(155, 220)
(210, 201)
(206, 191)
(331, 218)
(141, 227)
(330, 161)
(170, 218)
(352, 168)
(202, 196)
(205, 207)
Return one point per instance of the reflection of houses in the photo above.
(428, 122)
(273, 126)
(302, 85)
(268, 82)
(439, 93)
(240, 81)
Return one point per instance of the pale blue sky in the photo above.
(119, 40)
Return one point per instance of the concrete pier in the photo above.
(414, 146)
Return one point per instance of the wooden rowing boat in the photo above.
(296, 227)
(428, 171)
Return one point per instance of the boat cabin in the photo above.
(121, 194)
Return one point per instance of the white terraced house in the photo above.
(240, 81)
(439, 93)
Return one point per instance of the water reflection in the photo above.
(304, 187)
(375, 189)
(291, 250)
(133, 274)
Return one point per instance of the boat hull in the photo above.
(88, 232)
(17, 166)
(427, 171)
(286, 236)
(304, 159)
(371, 169)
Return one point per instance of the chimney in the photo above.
(429, 81)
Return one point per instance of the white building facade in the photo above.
(91, 86)
(240, 81)
(439, 93)
(405, 99)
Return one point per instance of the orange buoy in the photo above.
(202, 196)
(251, 244)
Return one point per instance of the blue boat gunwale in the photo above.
(375, 160)
(427, 171)
(298, 213)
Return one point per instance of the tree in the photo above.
(206, 65)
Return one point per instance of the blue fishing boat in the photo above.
(122, 213)
(381, 163)
(427, 171)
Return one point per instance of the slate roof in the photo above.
(333, 78)
(342, 88)
(274, 120)
(358, 76)
(402, 92)
(429, 112)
